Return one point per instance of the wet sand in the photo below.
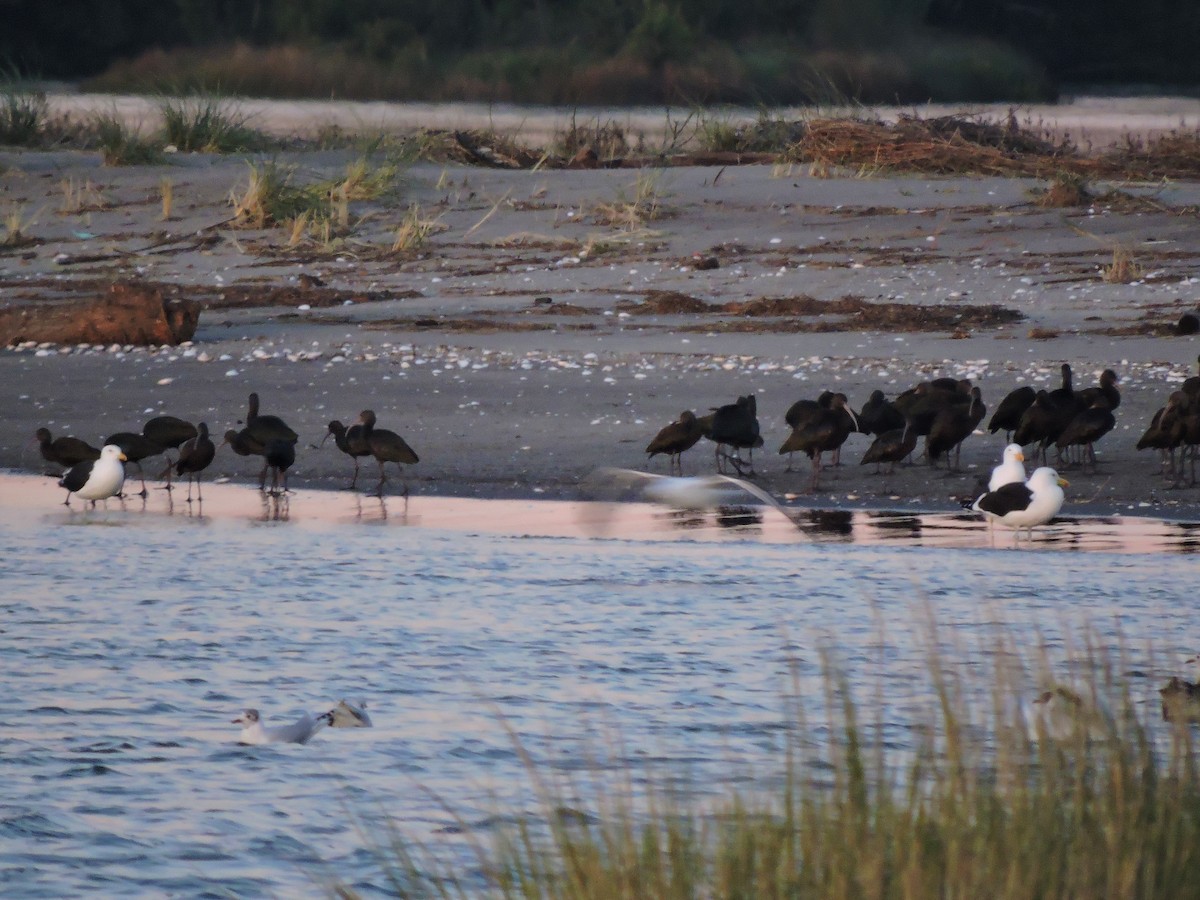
(504, 394)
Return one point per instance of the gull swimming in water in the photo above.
(347, 715)
(298, 732)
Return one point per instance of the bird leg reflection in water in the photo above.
(276, 506)
(680, 493)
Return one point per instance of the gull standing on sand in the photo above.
(298, 732)
(96, 479)
(1011, 470)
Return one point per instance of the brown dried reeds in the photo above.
(947, 145)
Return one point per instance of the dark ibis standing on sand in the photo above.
(891, 447)
(386, 446)
(170, 432)
(280, 455)
(1008, 414)
(350, 442)
(736, 425)
(676, 439)
(64, 451)
(266, 428)
(195, 456)
(824, 433)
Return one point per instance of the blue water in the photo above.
(129, 642)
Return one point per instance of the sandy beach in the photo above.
(505, 393)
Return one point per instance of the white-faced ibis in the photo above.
(386, 446)
(953, 425)
(96, 479)
(676, 439)
(804, 411)
(1026, 505)
(280, 455)
(736, 425)
(350, 442)
(195, 456)
(136, 447)
(266, 428)
(879, 415)
(1087, 427)
(64, 451)
(1107, 388)
(824, 433)
(891, 447)
(169, 431)
(1008, 414)
(1164, 434)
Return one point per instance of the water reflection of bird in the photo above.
(96, 479)
(347, 715)
(299, 732)
(1027, 505)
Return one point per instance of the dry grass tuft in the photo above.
(415, 230)
(633, 209)
(1124, 268)
(1067, 189)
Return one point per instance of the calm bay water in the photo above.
(130, 638)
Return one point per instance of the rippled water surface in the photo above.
(130, 638)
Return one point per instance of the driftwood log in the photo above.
(127, 314)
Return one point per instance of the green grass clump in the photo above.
(275, 196)
(23, 113)
(207, 123)
(1081, 799)
(121, 144)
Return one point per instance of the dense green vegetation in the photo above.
(620, 50)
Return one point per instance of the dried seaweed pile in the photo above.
(1173, 155)
(477, 148)
(947, 145)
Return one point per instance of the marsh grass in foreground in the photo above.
(207, 123)
(1070, 796)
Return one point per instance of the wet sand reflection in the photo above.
(23, 495)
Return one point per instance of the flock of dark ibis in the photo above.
(98, 473)
(943, 411)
